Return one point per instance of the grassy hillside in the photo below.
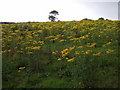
(71, 54)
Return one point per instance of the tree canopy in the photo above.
(54, 12)
(52, 15)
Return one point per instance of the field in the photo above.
(64, 54)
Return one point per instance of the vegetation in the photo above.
(86, 19)
(52, 15)
(64, 54)
(101, 18)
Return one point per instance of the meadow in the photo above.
(64, 54)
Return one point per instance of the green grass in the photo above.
(43, 70)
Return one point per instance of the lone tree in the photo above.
(52, 15)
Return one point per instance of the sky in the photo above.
(38, 10)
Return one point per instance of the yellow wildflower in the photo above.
(39, 31)
(71, 48)
(19, 37)
(41, 42)
(28, 48)
(62, 40)
(91, 44)
(58, 35)
(80, 47)
(49, 37)
(77, 53)
(64, 52)
(54, 52)
(86, 35)
(88, 51)
(64, 30)
(106, 44)
(27, 42)
(34, 42)
(109, 43)
(56, 38)
(21, 68)
(69, 60)
(33, 25)
(59, 59)
(109, 51)
(16, 30)
(69, 37)
(97, 54)
(19, 71)
(83, 37)
(74, 39)
(37, 47)
(75, 27)
(13, 33)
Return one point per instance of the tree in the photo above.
(52, 18)
(101, 18)
(86, 19)
(52, 15)
(54, 12)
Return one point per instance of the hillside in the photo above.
(64, 54)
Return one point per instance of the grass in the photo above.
(65, 54)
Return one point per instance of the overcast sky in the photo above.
(38, 10)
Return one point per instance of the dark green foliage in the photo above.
(101, 18)
(54, 12)
(52, 15)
